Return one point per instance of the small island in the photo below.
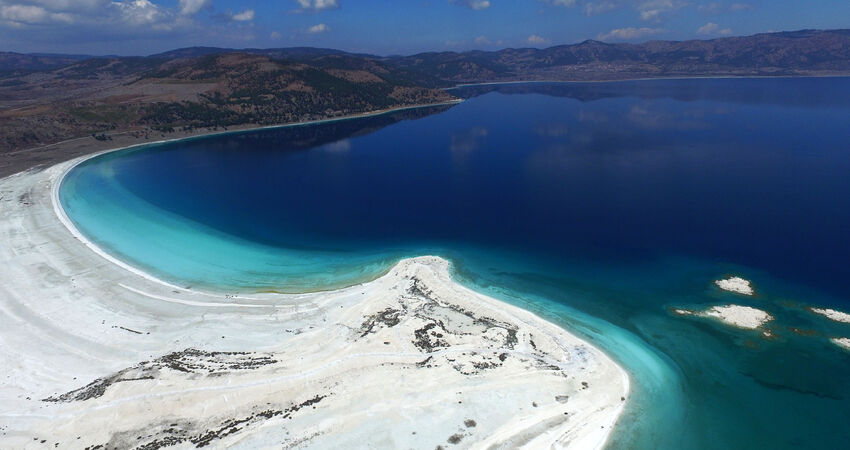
(739, 316)
(735, 284)
(832, 314)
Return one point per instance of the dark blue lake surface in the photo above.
(598, 205)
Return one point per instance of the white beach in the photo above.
(93, 352)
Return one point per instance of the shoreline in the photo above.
(106, 319)
(88, 142)
(618, 80)
(107, 146)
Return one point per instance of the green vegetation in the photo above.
(263, 91)
(104, 113)
(209, 91)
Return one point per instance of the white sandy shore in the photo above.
(832, 314)
(735, 284)
(411, 359)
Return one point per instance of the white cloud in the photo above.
(482, 40)
(713, 28)
(113, 26)
(590, 8)
(740, 7)
(595, 8)
(191, 7)
(714, 8)
(56, 24)
(710, 8)
(631, 33)
(473, 4)
(229, 16)
(317, 5)
(142, 12)
(31, 14)
(647, 9)
(64, 5)
(708, 28)
(35, 12)
(653, 9)
(98, 12)
(275, 35)
(319, 28)
(537, 40)
(244, 16)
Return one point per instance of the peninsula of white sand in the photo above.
(735, 284)
(93, 354)
(842, 342)
(832, 314)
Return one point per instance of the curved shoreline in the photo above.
(74, 162)
(141, 306)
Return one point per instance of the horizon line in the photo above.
(392, 55)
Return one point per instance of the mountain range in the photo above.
(784, 53)
(46, 98)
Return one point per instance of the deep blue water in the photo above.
(597, 205)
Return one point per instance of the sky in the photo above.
(383, 27)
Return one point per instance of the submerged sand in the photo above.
(95, 353)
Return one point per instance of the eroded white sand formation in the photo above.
(735, 284)
(94, 354)
(832, 314)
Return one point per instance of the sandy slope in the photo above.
(92, 353)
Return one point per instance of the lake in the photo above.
(600, 206)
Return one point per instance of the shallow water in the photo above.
(597, 205)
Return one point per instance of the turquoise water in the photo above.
(598, 206)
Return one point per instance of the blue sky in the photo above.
(140, 27)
